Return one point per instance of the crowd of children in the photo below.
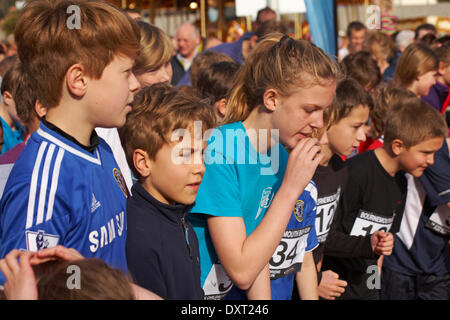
(244, 184)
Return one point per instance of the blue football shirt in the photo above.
(59, 193)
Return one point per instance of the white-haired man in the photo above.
(189, 45)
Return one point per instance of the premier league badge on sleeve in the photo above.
(40, 240)
(298, 210)
(121, 181)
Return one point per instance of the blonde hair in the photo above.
(156, 49)
(416, 60)
(281, 63)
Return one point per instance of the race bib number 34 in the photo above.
(368, 222)
(290, 252)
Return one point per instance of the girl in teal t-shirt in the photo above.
(250, 185)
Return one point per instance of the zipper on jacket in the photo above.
(186, 234)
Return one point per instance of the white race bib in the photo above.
(368, 222)
(217, 283)
(290, 253)
(326, 206)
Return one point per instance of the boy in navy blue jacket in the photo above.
(163, 142)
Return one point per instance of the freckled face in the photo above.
(111, 95)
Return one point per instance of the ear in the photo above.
(41, 111)
(253, 41)
(221, 106)
(270, 99)
(397, 146)
(76, 80)
(7, 98)
(142, 162)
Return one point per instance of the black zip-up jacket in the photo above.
(162, 248)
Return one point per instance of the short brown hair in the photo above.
(7, 64)
(384, 97)
(158, 110)
(202, 61)
(215, 82)
(413, 121)
(24, 96)
(355, 25)
(363, 68)
(268, 27)
(98, 281)
(48, 47)
(443, 53)
(156, 49)
(416, 60)
(349, 95)
(10, 79)
(264, 11)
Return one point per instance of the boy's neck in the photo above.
(5, 115)
(150, 188)
(71, 124)
(387, 161)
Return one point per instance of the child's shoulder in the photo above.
(362, 168)
(361, 160)
(142, 205)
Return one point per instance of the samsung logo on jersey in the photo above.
(107, 233)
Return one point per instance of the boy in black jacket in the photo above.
(163, 142)
(373, 201)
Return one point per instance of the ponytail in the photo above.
(281, 63)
